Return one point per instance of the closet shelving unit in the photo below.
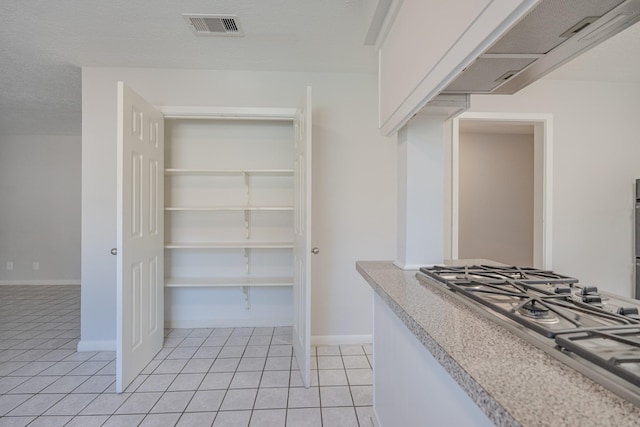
(229, 203)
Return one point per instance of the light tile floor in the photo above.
(202, 377)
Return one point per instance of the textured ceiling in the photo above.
(43, 44)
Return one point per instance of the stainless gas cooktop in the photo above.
(594, 332)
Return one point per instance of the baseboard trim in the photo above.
(95, 345)
(340, 339)
(226, 323)
(39, 282)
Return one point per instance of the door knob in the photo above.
(315, 251)
(114, 251)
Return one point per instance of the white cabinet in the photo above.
(425, 45)
(410, 385)
(228, 202)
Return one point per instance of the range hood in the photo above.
(552, 33)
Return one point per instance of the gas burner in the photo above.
(592, 331)
(471, 285)
(538, 313)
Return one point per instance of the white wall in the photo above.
(596, 159)
(354, 180)
(40, 208)
(496, 197)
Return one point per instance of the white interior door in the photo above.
(140, 294)
(302, 239)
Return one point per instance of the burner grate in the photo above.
(561, 305)
(489, 274)
(510, 290)
(598, 334)
(614, 349)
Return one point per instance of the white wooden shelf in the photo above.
(227, 172)
(227, 208)
(229, 245)
(202, 282)
(228, 113)
(228, 205)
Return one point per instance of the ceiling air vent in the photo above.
(214, 25)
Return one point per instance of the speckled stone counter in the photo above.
(512, 381)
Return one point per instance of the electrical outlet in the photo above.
(9, 265)
(36, 265)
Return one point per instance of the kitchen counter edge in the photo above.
(397, 289)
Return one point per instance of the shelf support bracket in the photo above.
(247, 222)
(247, 303)
(247, 186)
(247, 259)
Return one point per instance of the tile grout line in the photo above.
(55, 340)
(226, 391)
(145, 415)
(286, 403)
(319, 388)
(178, 374)
(353, 402)
(255, 399)
(230, 381)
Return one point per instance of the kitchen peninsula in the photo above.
(439, 362)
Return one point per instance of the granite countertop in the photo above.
(512, 381)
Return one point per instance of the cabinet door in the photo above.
(302, 239)
(140, 292)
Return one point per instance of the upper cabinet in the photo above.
(424, 45)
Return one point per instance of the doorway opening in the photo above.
(499, 183)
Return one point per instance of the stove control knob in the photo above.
(627, 311)
(589, 290)
(592, 299)
(562, 290)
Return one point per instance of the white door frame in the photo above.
(302, 348)
(543, 182)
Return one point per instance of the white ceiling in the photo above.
(43, 44)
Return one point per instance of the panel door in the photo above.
(302, 239)
(140, 277)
